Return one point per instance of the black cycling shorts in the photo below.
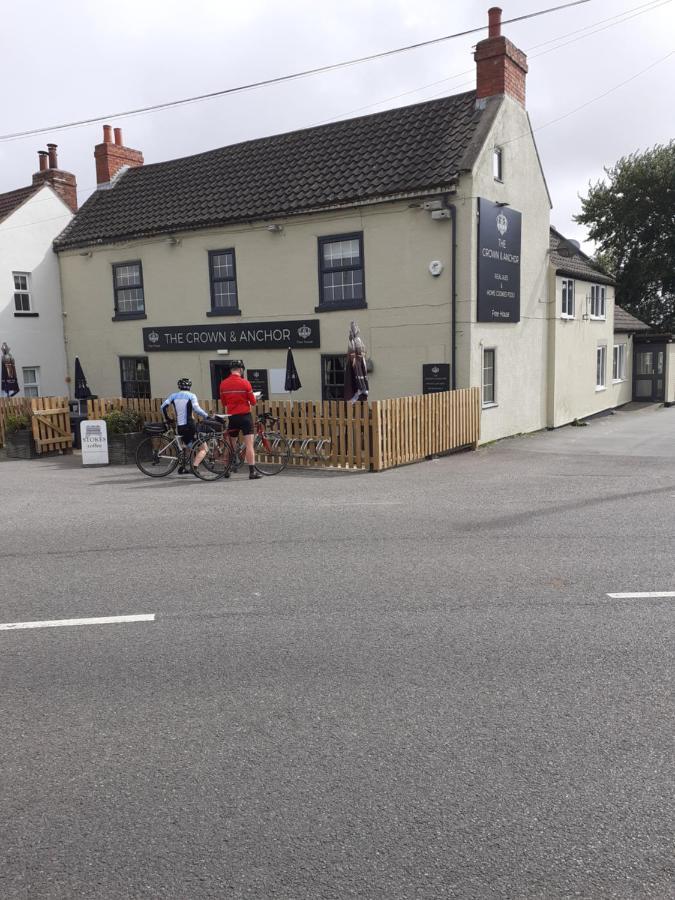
(187, 432)
(240, 422)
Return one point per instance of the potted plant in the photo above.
(19, 436)
(125, 432)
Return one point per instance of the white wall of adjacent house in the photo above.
(512, 356)
(32, 323)
(591, 366)
(405, 324)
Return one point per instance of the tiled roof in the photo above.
(624, 321)
(571, 261)
(409, 149)
(13, 199)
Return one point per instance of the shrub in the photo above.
(123, 421)
(18, 421)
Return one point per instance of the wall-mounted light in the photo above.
(502, 203)
(275, 228)
(85, 253)
(173, 241)
(223, 352)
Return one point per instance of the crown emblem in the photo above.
(435, 370)
(153, 337)
(502, 224)
(304, 331)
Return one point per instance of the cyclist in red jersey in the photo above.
(236, 395)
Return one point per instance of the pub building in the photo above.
(429, 225)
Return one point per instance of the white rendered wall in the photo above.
(26, 246)
(521, 348)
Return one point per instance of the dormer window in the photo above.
(498, 164)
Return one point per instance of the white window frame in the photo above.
(493, 402)
(498, 164)
(25, 293)
(619, 363)
(598, 301)
(601, 367)
(32, 385)
(567, 286)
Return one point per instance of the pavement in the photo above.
(409, 684)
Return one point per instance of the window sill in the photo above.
(598, 389)
(489, 405)
(567, 318)
(224, 311)
(330, 307)
(26, 315)
(124, 317)
(618, 380)
(598, 318)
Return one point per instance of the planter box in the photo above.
(122, 448)
(19, 445)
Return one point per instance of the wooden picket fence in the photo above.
(50, 421)
(368, 436)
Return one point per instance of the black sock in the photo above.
(251, 470)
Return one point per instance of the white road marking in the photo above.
(59, 623)
(642, 595)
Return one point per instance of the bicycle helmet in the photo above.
(184, 384)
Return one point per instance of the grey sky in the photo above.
(73, 59)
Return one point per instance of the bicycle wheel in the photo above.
(217, 461)
(157, 456)
(272, 453)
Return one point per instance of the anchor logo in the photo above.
(153, 337)
(502, 224)
(304, 331)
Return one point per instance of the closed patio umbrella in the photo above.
(82, 391)
(356, 369)
(9, 382)
(292, 382)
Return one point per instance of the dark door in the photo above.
(219, 370)
(649, 372)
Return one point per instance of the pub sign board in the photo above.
(259, 382)
(498, 263)
(252, 336)
(435, 377)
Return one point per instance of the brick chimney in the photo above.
(500, 66)
(111, 156)
(64, 183)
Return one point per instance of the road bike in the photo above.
(161, 451)
(223, 456)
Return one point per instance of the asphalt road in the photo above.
(401, 685)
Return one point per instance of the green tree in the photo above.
(630, 216)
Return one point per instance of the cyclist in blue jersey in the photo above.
(184, 403)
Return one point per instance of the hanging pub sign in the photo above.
(498, 263)
(252, 336)
(435, 377)
(259, 382)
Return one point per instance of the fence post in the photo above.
(376, 440)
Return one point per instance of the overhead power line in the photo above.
(279, 79)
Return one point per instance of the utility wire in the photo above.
(281, 78)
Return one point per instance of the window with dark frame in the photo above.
(619, 363)
(128, 287)
(568, 298)
(333, 377)
(489, 393)
(341, 281)
(135, 376)
(223, 280)
(600, 367)
(22, 298)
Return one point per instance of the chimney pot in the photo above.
(107, 134)
(43, 156)
(494, 22)
(118, 137)
(111, 157)
(53, 161)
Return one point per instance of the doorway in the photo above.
(219, 369)
(649, 372)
